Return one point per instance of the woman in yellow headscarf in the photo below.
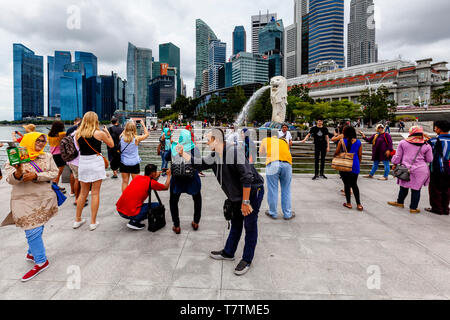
(33, 201)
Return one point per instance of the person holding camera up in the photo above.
(244, 188)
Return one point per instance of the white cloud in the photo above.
(411, 28)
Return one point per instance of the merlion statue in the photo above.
(278, 97)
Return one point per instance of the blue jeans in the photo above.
(387, 168)
(36, 245)
(279, 171)
(143, 215)
(165, 163)
(250, 223)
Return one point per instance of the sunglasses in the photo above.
(41, 141)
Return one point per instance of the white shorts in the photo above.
(91, 169)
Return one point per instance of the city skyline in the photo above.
(46, 31)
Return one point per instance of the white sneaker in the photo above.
(93, 227)
(77, 225)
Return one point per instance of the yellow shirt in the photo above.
(277, 150)
(55, 141)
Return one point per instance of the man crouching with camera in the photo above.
(244, 188)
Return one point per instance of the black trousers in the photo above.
(415, 197)
(350, 180)
(440, 193)
(175, 198)
(320, 155)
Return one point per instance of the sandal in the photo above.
(360, 208)
(348, 206)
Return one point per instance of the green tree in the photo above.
(376, 105)
(302, 93)
(344, 109)
(235, 101)
(440, 94)
(262, 110)
(184, 106)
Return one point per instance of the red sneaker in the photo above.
(34, 272)
(30, 258)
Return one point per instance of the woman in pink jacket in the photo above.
(414, 146)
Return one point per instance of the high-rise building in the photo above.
(271, 44)
(305, 45)
(170, 54)
(73, 92)
(228, 74)
(217, 57)
(205, 82)
(249, 68)
(89, 61)
(156, 66)
(295, 48)
(139, 73)
(326, 32)
(204, 35)
(362, 48)
(162, 92)
(55, 70)
(259, 22)
(239, 40)
(28, 70)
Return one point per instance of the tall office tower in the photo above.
(162, 92)
(294, 45)
(362, 48)
(249, 68)
(89, 61)
(139, 73)
(304, 64)
(156, 69)
(258, 23)
(28, 71)
(205, 82)
(239, 40)
(204, 35)
(217, 57)
(73, 91)
(326, 32)
(271, 45)
(170, 54)
(55, 68)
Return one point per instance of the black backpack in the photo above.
(68, 150)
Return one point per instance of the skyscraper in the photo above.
(139, 73)
(203, 36)
(362, 48)
(55, 68)
(73, 91)
(239, 40)
(326, 32)
(259, 22)
(162, 92)
(217, 57)
(249, 68)
(170, 54)
(28, 70)
(271, 44)
(89, 61)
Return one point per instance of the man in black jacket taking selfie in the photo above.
(244, 188)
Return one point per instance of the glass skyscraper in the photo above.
(139, 73)
(55, 68)
(239, 40)
(249, 68)
(73, 92)
(326, 32)
(28, 71)
(161, 92)
(204, 35)
(217, 57)
(271, 44)
(90, 62)
(170, 54)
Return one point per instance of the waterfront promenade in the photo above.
(327, 252)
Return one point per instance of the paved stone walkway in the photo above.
(327, 252)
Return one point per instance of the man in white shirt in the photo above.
(285, 134)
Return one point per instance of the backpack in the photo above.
(68, 150)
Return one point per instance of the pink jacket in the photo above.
(420, 172)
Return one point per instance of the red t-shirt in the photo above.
(133, 198)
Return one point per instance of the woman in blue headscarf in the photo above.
(166, 142)
(180, 185)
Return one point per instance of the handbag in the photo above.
(181, 169)
(343, 162)
(59, 195)
(228, 211)
(98, 154)
(402, 172)
(157, 215)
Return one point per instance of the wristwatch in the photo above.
(246, 202)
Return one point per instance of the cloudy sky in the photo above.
(411, 28)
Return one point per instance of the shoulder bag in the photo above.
(343, 162)
(59, 195)
(402, 172)
(98, 154)
(156, 216)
